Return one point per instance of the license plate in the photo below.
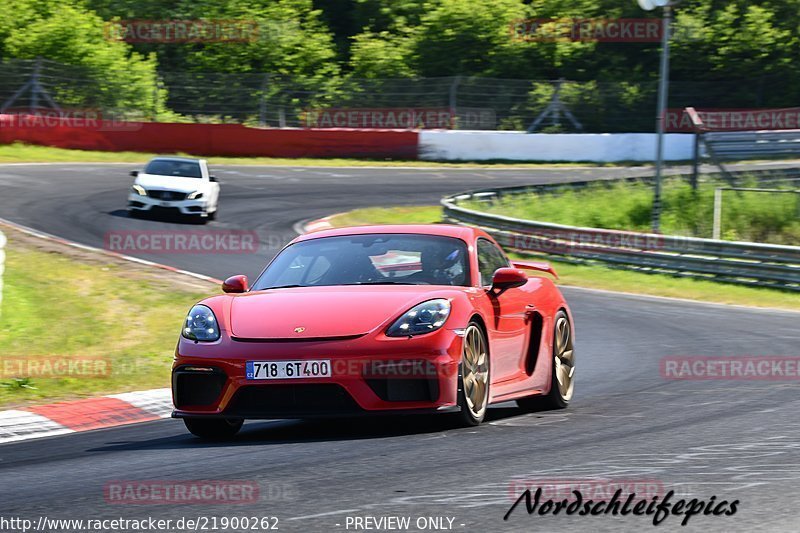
(318, 368)
(165, 204)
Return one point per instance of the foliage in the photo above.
(68, 33)
(316, 45)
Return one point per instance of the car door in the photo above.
(509, 320)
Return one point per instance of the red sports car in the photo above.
(377, 319)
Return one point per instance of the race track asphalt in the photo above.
(729, 439)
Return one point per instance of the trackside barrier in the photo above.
(519, 146)
(754, 144)
(209, 139)
(766, 265)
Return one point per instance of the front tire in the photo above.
(473, 377)
(213, 428)
(562, 381)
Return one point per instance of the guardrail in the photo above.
(766, 265)
(752, 144)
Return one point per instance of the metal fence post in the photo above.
(35, 87)
(696, 162)
(716, 232)
(453, 101)
(663, 84)
(262, 106)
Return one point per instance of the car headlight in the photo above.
(200, 324)
(138, 189)
(195, 195)
(423, 318)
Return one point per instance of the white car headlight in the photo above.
(200, 324)
(195, 195)
(138, 189)
(423, 318)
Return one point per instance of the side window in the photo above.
(490, 258)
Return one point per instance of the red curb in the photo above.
(92, 413)
(317, 225)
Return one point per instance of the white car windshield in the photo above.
(169, 167)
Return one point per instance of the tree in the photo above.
(106, 73)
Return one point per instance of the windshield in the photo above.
(367, 260)
(167, 167)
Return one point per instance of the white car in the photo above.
(174, 184)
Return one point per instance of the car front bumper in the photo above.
(138, 202)
(368, 376)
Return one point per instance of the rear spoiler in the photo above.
(535, 265)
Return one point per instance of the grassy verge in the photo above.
(599, 276)
(25, 153)
(746, 216)
(389, 215)
(62, 305)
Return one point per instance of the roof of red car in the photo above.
(446, 230)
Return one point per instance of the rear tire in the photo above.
(213, 428)
(473, 377)
(562, 375)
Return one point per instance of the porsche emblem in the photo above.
(299, 329)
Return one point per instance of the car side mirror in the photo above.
(508, 278)
(134, 173)
(235, 284)
(213, 179)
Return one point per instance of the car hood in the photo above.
(171, 183)
(322, 312)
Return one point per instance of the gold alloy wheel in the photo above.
(564, 360)
(475, 372)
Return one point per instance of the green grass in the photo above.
(746, 216)
(25, 153)
(598, 276)
(389, 215)
(57, 306)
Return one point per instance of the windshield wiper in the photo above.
(285, 287)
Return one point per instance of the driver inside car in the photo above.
(440, 266)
